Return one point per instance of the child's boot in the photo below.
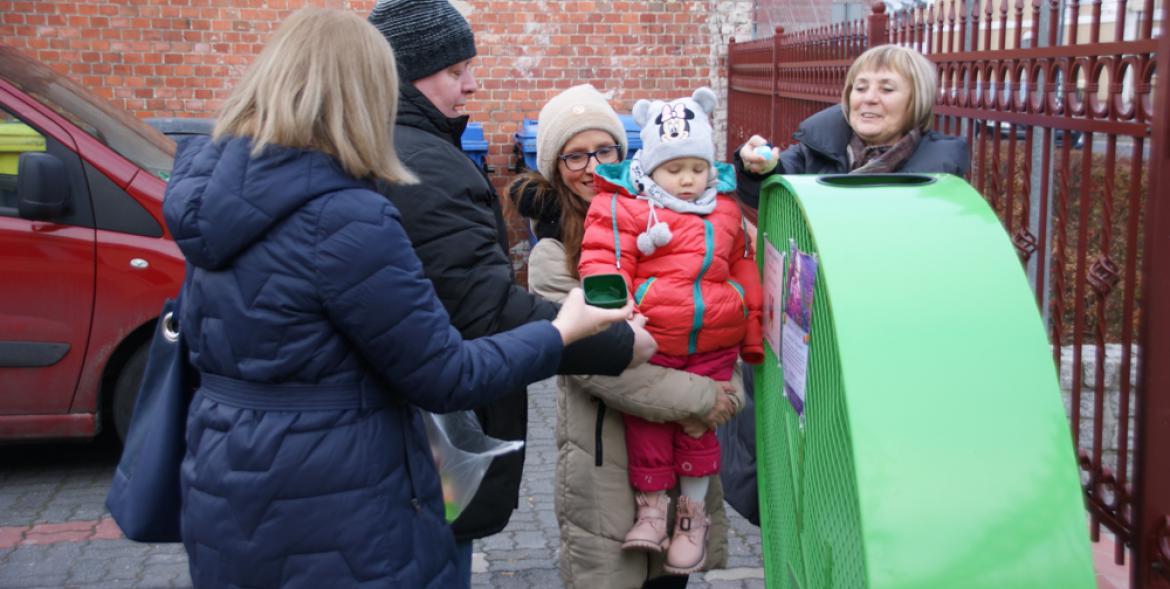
(688, 547)
(649, 531)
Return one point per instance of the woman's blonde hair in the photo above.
(326, 81)
(908, 63)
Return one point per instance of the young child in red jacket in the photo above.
(668, 223)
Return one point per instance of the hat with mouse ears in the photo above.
(678, 128)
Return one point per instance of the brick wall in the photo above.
(797, 15)
(179, 58)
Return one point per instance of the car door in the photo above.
(46, 272)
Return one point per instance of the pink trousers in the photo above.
(658, 453)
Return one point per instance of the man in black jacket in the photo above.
(454, 220)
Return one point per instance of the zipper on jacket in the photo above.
(700, 306)
(406, 433)
(597, 433)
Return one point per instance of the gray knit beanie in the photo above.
(679, 128)
(427, 35)
(577, 109)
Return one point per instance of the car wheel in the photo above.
(126, 390)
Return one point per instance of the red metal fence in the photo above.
(1057, 100)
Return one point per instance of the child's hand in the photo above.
(693, 427)
(721, 411)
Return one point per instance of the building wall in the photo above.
(179, 58)
(798, 15)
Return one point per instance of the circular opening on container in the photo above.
(875, 180)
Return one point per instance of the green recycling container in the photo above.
(934, 451)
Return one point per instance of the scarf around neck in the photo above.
(881, 159)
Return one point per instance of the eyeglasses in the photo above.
(579, 160)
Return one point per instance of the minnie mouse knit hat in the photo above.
(679, 128)
(580, 108)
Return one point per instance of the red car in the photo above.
(85, 258)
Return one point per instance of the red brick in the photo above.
(106, 529)
(11, 536)
(167, 57)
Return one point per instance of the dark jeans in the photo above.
(463, 563)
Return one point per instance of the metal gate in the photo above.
(1066, 117)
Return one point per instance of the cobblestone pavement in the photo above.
(54, 531)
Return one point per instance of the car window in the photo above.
(116, 128)
(15, 138)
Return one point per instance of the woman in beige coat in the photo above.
(594, 500)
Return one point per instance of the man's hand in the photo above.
(644, 344)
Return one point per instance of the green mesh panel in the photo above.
(808, 491)
(935, 451)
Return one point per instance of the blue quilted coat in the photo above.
(317, 336)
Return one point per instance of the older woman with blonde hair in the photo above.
(882, 125)
(316, 334)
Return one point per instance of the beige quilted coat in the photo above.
(595, 503)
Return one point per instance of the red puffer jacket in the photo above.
(701, 291)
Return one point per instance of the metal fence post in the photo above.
(1042, 190)
(731, 98)
(1151, 566)
(773, 120)
(877, 29)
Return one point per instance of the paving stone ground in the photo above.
(55, 532)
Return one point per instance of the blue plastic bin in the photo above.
(633, 133)
(474, 144)
(525, 146)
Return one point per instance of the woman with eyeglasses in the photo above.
(577, 131)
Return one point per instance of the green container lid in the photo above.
(935, 451)
(605, 290)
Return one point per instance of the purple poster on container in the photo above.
(798, 301)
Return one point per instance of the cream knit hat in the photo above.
(577, 109)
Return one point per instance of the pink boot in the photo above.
(688, 547)
(649, 531)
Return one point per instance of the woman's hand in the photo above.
(644, 344)
(753, 160)
(578, 320)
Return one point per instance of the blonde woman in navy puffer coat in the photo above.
(316, 334)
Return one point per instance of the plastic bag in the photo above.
(462, 453)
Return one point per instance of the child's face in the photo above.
(685, 177)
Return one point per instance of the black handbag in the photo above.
(144, 497)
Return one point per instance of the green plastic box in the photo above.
(605, 290)
(935, 451)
